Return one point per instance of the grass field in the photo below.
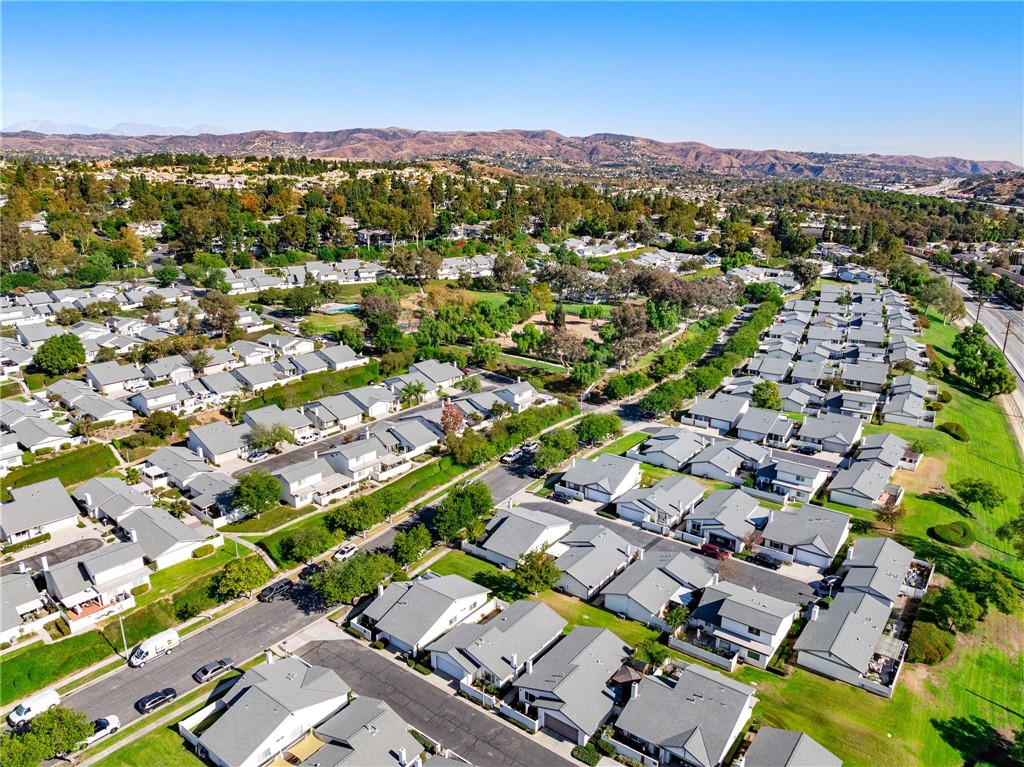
(165, 582)
(622, 444)
(70, 467)
(532, 363)
(163, 746)
(325, 322)
(10, 389)
(313, 387)
(268, 520)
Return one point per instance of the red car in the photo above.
(713, 551)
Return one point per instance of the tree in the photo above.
(306, 543)
(958, 608)
(60, 730)
(257, 491)
(805, 272)
(586, 373)
(508, 269)
(25, 750)
(536, 572)
(470, 384)
(653, 653)
(350, 337)
(464, 503)
(1012, 531)
(198, 360)
(596, 426)
(303, 300)
(547, 457)
(69, 315)
(161, 424)
(766, 396)
(485, 351)
(452, 421)
(60, 355)
(992, 588)
(413, 392)
(132, 475)
(981, 491)
(242, 576)
(891, 513)
(263, 437)
(951, 304)
(166, 276)
(983, 285)
(220, 310)
(677, 617)
(408, 547)
(347, 581)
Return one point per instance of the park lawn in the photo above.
(532, 363)
(165, 582)
(312, 387)
(606, 309)
(268, 520)
(622, 444)
(163, 746)
(462, 564)
(323, 322)
(71, 467)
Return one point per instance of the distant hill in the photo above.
(1004, 188)
(540, 151)
(121, 129)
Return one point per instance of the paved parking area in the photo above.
(466, 729)
(66, 544)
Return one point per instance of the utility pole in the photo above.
(1006, 337)
(124, 640)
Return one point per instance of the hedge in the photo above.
(139, 590)
(945, 396)
(956, 431)
(929, 644)
(586, 754)
(25, 544)
(957, 533)
(203, 551)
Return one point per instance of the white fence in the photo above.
(498, 705)
(728, 664)
(631, 753)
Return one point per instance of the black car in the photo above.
(807, 450)
(210, 670)
(156, 699)
(310, 570)
(829, 583)
(766, 560)
(538, 473)
(275, 590)
(560, 498)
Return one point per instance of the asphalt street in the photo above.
(466, 729)
(54, 555)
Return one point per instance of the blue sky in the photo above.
(930, 79)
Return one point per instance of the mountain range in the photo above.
(121, 129)
(541, 151)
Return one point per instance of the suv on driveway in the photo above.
(713, 551)
(766, 560)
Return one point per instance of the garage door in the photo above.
(447, 665)
(564, 729)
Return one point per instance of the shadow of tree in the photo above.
(975, 739)
(502, 585)
(949, 502)
(861, 526)
(953, 563)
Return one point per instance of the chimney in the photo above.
(515, 660)
(714, 579)
(88, 501)
(529, 666)
(814, 612)
(771, 514)
(44, 565)
(21, 567)
(509, 502)
(268, 656)
(199, 451)
(380, 589)
(573, 464)
(634, 691)
(401, 756)
(629, 551)
(132, 535)
(316, 454)
(519, 379)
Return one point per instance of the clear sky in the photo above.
(929, 79)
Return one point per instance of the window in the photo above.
(753, 631)
(753, 655)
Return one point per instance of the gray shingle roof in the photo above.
(808, 526)
(723, 407)
(513, 532)
(593, 553)
(667, 495)
(111, 372)
(652, 581)
(743, 605)
(605, 472)
(407, 610)
(883, 447)
(35, 505)
(365, 732)
(840, 427)
(848, 631)
(272, 415)
(679, 444)
(784, 748)
(877, 564)
(865, 478)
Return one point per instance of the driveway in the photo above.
(463, 727)
(53, 556)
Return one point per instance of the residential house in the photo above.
(520, 396)
(268, 710)
(877, 567)
(830, 433)
(890, 450)
(793, 475)
(360, 459)
(287, 345)
(807, 372)
(808, 534)
(743, 621)
(729, 461)
(661, 506)
(869, 376)
(35, 434)
(908, 410)
(691, 722)
(219, 441)
(100, 409)
(769, 367)
(114, 379)
(333, 414)
(727, 518)
(670, 448)
(800, 398)
(865, 485)
(173, 467)
(588, 558)
(773, 747)
(854, 404)
(601, 480)
(174, 398)
(36, 510)
(912, 385)
(569, 689)
(341, 357)
(499, 650)
(314, 481)
(165, 541)
(249, 353)
(175, 369)
(765, 427)
(871, 333)
(721, 413)
(220, 360)
(256, 378)
(222, 386)
(97, 585)
(365, 732)
(293, 419)
(412, 614)
(375, 401)
(19, 599)
(514, 532)
(441, 374)
(106, 498)
(650, 587)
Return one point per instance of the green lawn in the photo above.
(162, 746)
(313, 387)
(324, 322)
(268, 520)
(532, 363)
(37, 381)
(70, 467)
(10, 389)
(606, 309)
(622, 444)
(165, 582)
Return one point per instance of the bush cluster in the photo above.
(956, 431)
(945, 396)
(586, 754)
(203, 551)
(958, 534)
(929, 644)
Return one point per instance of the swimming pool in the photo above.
(342, 309)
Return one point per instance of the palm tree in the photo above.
(413, 391)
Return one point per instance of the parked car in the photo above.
(210, 670)
(156, 699)
(32, 707)
(310, 570)
(275, 590)
(256, 456)
(808, 450)
(713, 551)
(531, 447)
(346, 552)
(537, 473)
(512, 455)
(305, 439)
(157, 645)
(562, 498)
(101, 728)
(829, 583)
(766, 560)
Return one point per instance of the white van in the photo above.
(32, 707)
(154, 647)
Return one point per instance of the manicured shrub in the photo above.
(957, 533)
(929, 644)
(956, 431)
(203, 551)
(44, 451)
(28, 457)
(935, 406)
(139, 590)
(380, 644)
(945, 396)
(586, 754)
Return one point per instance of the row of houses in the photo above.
(36, 307)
